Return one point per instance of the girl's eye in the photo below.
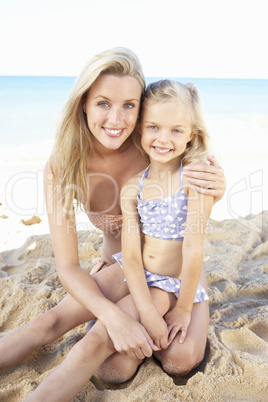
(153, 128)
(103, 104)
(128, 105)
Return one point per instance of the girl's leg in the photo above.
(49, 326)
(120, 368)
(180, 359)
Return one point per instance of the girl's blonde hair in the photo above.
(73, 144)
(171, 90)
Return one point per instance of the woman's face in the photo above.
(112, 107)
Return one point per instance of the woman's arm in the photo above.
(80, 285)
(207, 179)
(199, 209)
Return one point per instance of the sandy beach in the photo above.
(235, 367)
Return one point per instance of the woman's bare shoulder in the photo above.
(135, 180)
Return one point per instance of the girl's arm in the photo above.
(80, 285)
(133, 266)
(199, 209)
(207, 179)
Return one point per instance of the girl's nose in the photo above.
(115, 115)
(163, 136)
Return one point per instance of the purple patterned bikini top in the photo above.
(163, 219)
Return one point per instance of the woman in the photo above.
(97, 149)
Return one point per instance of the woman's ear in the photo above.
(84, 107)
(139, 126)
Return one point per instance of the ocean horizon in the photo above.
(235, 111)
(29, 105)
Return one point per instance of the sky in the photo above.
(172, 38)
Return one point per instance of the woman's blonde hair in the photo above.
(73, 144)
(171, 90)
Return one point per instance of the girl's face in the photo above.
(112, 108)
(165, 130)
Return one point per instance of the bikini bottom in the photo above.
(167, 283)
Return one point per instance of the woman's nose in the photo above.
(115, 115)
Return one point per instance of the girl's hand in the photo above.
(129, 336)
(177, 320)
(207, 179)
(157, 328)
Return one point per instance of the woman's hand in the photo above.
(156, 327)
(176, 321)
(129, 336)
(207, 179)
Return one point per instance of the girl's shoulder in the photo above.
(132, 185)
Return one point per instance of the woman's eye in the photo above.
(128, 105)
(103, 104)
(177, 131)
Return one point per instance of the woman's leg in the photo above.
(64, 383)
(49, 326)
(69, 378)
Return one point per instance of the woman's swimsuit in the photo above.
(105, 222)
(164, 219)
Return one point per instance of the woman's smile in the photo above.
(112, 132)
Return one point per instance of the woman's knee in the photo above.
(93, 342)
(45, 326)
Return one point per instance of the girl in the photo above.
(97, 150)
(162, 247)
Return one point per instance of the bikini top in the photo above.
(163, 219)
(106, 222)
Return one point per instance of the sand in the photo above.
(235, 367)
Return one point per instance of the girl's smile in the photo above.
(162, 150)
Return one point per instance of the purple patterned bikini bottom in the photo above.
(167, 283)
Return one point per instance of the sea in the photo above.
(236, 112)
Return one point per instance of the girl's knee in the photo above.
(117, 369)
(183, 361)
